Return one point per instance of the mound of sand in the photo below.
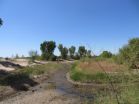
(6, 68)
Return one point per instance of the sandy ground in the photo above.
(6, 68)
(18, 62)
(55, 90)
(42, 97)
(11, 65)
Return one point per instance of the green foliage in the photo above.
(77, 56)
(47, 49)
(106, 54)
(88, 54)
(83, 77)
(126, 95)
(82, 51)
(1, 22)
(63, 51)
(98, 77)
(129, 54)
(72, 50)
(60, 47)
(17, 56)
(33, 55)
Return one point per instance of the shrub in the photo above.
(129, 54)
(106, 54)
(33, 55)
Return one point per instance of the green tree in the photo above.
(17, 56)
(63, 51)
(82, 51)
(60, 47)
(89, 53)
(33, 55)
(47, 49)
(72, 50)
(77, 56)
(1, 22)
(106, 54)
(129, 54)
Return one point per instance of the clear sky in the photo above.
(99, 24)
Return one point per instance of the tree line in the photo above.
(128, 54)
(48, 47)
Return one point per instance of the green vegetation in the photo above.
(88, 70)
(47, 49)
(128, 94)
(1, 22)
(40, 69)
(129, 54)
(125, 82)
(111, 72)
(63, 51)
(82, 51)
(33, 55)
(26, 75)
(106, 54)
(72, 50)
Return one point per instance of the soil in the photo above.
(54, 89)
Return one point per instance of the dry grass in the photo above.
(92, 66)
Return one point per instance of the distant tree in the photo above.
(82, 51)
(47, 49)
(17, 56)
(33, 55)
(1, 22)
(23, 56)
(88, 54)
(63, 51)
(60, 47)
(72, 50)
(106, 54)
(77, 56)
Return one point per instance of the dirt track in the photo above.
(55, 90)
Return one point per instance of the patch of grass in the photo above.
(126, 95)
(40, 69)
(124, 81)
(97, 76)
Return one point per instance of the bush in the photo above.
(106, 54)
(47, 49)
(33, 55)
(129, 54)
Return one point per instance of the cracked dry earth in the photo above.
(55, 90)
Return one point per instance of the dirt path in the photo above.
(55, 90)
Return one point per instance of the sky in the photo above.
(97, 24)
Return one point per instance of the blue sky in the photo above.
(99, 24)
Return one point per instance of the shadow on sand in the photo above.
(10, 64)
(17, 81)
